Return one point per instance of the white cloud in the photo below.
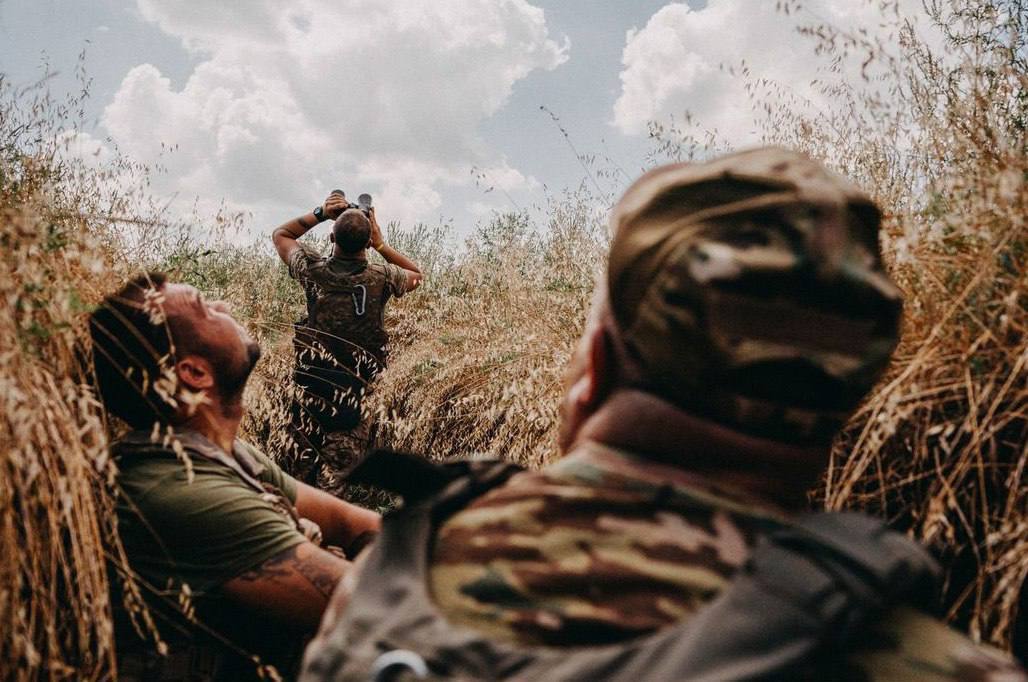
(289, 100)
(507, 178)
(84, 148)
(674, 64)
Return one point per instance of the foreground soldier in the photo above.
(201, 512)
(744, 315)
(342, 345)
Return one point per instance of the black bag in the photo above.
(330, 393)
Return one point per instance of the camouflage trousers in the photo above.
(340, 453)
(324, 458)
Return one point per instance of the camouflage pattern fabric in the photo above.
(321, 457)
(340, 453)
(604, 546)
(346, 299)
(339, 350)
(750, 290)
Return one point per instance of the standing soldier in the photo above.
(744, 315)
(342, 345)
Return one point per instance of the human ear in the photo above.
(195, 373)
(593, 381)
(598, 377)
(587, 383)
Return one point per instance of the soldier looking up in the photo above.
(744, 314)
(342, 345)
(200, 512)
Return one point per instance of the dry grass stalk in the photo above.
(56, 524)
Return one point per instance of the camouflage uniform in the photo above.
(591, 550)
(605, 546)
(345, 340)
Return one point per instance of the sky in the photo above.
(432, 106)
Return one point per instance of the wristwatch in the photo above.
(319, 212)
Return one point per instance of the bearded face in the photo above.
(231, 380)
(207, 330)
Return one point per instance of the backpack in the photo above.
(340, 347)
(805, 594)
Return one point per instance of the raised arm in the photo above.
(391, 255)
(285, 235)
(292, 587)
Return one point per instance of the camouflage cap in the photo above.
(750, 290)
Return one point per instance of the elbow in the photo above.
(282, 249)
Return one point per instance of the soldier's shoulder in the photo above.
(907, 644)
(385, 270)
(304, 259)
(308, 251)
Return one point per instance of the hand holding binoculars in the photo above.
(363, 201)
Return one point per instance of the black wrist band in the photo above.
(319, 213)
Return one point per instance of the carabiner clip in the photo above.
(360, 306)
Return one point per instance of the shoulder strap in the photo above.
(312, 306)
(806, 596)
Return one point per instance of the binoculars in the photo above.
(363, 202)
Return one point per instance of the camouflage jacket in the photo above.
(346, 299)
(603, 546)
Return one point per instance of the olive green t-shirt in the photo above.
(201, 529)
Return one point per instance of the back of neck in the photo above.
(357, 255)
(768, 471)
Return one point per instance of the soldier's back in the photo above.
(606, 547)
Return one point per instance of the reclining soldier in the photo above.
(342, 345)
(201, 512)
(744, 314)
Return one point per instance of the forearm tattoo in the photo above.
(322, 575)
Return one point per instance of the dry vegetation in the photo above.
(941, 448)
(56, 525)
(939, 137)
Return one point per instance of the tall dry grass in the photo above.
(939, 137)
(57, 530)
(940, 448)
(73, 227)
(480, 354)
